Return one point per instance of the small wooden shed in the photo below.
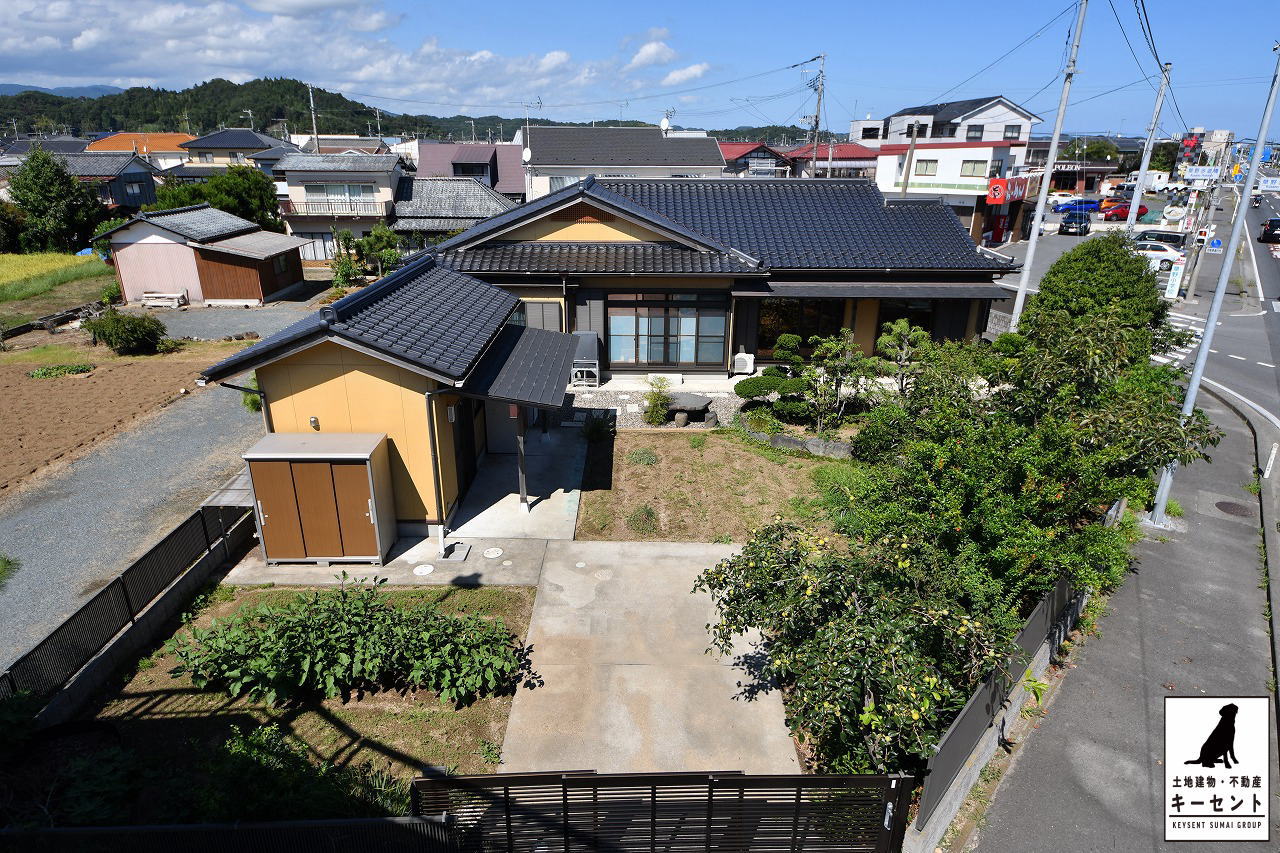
(323, 497)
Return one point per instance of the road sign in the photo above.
(1269, 184)
(1203, 173)
(1239, 179)
(1175, 278)
(1214, 247)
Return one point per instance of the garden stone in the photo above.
(686, 402)
(712, 420)
(830, 449)
(681, 419)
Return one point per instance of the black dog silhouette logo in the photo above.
(1220, 745)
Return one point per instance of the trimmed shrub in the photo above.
(127, 334)
(755, 387)
(657, 398)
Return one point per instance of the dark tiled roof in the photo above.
(198, 222)
(274, 153)
(811, 224)
(193, 170)
(56, 145)
(433, 223)
(424, 314)
(235, 137)
(948, 110)
(448, 197)
(101, 164)
(553, 257)
(525, 365)
(299, 162)
(619, 146)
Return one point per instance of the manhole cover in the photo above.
(1233, 508)
(424, 569)
(493, 553)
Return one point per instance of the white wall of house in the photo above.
(151, 260)
(541, 180)
(370, 195)
(945, 171)
(994, 122)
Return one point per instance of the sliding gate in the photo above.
(668, 812)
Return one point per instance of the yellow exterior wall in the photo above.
(867, 313)
(619, 230)
(348, 391)
(448, 458)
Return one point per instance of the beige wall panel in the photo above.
(619, 230)
(866, 313)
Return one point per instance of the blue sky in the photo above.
(592, 60)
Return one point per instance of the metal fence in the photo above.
(210, 533)
(983, 707)
(702, 812)
(368, 835)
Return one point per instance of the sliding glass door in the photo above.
(671, 329)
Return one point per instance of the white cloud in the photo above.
(295, 7)
(650, 53)
(552, 61)
(684, 75)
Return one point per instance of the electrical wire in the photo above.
(1144, 21)
(1128, 43)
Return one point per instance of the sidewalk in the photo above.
(1189, 621)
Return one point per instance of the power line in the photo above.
(1145, 22)
(1003, 56)
(1128, 43)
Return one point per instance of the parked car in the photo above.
(1075, 222)
(1085, 204)
(1115, 201)
(1161, 255)
(1176, 239)
(1122, 212)
(1063, 197)
(1270, 231)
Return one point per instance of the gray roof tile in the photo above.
(448, 197)
(235, 137)
(619, 146)
(299, 162)
(554, 257)
(199, 222)
(525, 365)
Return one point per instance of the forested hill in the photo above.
(274, 103)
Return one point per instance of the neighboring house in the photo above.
(122, 181)
(753, 160)
(494, 165)
(845, 160)
(1075, 174)
(339, 144)
(54, 144)
(324, 192)
(211, 256)
(227, 147)
(962, 151)
(425, 357)
(267, 158)
(677, 276)
(162, 150)
(429, 208)
(560, 156)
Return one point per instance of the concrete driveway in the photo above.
(620, 642)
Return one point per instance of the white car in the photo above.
(1161, 256)
(1062, 197)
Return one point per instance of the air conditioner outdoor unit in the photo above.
(744, 362)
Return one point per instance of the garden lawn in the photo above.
(716, 493)
(40, 284)
(162, 730)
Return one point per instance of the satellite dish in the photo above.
(665, 124)
(526, 155)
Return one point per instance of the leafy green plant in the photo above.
(8, 566)
(168, 345)
(657, 401)
(110, 294)
(331, 642)
(490, 752)
(697, 442)
(643, 520)
(127, 334)
(345, 271)
(1173, 508)
(251, 401)
(52, 371)
(1034, 686)
(642, 456)
(762, 420)
(757, 387)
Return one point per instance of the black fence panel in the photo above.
(674, 812)
(170, 557)
(6, 685)
(60, 655)
(983, 707)
(372, 835)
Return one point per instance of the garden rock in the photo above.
(681, 419)
(711, 419)
(686, 402)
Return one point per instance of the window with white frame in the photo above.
(973, 168)
(133, 188)
(206, 156)
(926, 167)
(1012, 131)
(945, 130)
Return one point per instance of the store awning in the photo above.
(875, 290)
(526, 366)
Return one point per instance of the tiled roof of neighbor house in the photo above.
(339, 144)
(274, 153)
(193, 170)
(475, 153)
(438, 224)
(524, 365)
(103, 164)
(510, 169)
(734, 150)
(235, 137)
(424, 314)
(259, 245)
(143, 143)
(198, 222)
(554, 257)
(843, 151)
(948, 110)
(57, 145)
(813, 224)
(436, 159)
(448, 197)
(619, 146)
(298, 162)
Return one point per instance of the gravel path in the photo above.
(75, 529)
(630, 409)
(214, 323)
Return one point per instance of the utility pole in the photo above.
(1025, 280)
(1136, 201)
(473, 129)
(914, 127)
(250, 113)
(819, 85)
(315, 136)
(1224, 276)
(377, 113)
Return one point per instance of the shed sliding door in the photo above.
(315, 510)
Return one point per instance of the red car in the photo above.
(1122, 212)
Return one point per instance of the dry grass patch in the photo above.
(690, 486)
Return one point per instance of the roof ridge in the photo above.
(147, 214)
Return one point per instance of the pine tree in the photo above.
(61, 212)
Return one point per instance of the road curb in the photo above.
(1264, 435)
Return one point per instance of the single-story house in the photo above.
(680, 275)
(425, 360)
(434, 207)
(210, 256)
(754, 160)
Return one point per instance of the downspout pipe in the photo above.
(435, 462)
